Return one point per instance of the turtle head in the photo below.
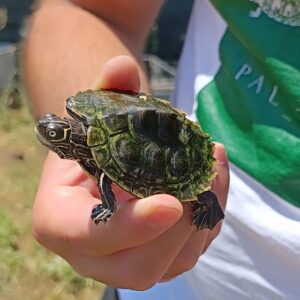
(55, 133)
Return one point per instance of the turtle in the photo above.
(140, 143)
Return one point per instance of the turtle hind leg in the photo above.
(102, 212)
(206, 211)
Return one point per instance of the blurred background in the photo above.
(27, 271)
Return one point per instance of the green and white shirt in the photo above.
(240, 77)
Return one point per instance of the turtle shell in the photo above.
(145, 145)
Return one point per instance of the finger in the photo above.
(63, 213)
(120, 73)
(211, 236)
(220, 184)
(188, 256)
(153, 259)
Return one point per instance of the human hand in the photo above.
(147, 240)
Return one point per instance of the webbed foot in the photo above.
(206, 211)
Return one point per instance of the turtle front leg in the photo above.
(104, 211)
(206, 211)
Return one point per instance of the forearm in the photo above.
(64, 51)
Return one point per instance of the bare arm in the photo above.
(69, 41)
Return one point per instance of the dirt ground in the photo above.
(28, 271)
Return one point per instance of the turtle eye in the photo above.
(57, 132)
(52, 133)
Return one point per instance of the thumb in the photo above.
(120, 73)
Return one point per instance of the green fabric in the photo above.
(253, 104)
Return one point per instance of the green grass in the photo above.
(27, 270)
(8, 251)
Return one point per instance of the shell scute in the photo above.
(125, 151)
(143, 123)
(169, 126)
(153, 162)
(178, 163)
(96, 136)
(116, 122)
(101, 155)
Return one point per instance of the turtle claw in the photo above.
(100, 214)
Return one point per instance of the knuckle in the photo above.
(140, 279)
(185, 264)
(141, 285)
(167, 278)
